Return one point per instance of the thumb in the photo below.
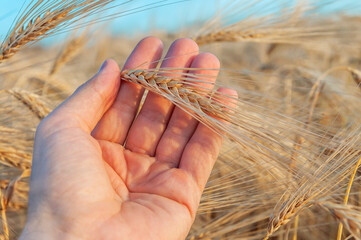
(85, 107)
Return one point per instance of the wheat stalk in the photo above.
(347, 195)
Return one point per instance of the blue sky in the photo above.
(175, 16)
(169, 17)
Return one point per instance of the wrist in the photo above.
(44, 228)
(30, 233)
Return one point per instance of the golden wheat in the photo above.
(50, 17)
(293, 134)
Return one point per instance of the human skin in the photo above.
(100, 172)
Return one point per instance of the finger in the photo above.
(89, 102)
(203, 148)
(182, 125)
(115, 124)
(153, 118)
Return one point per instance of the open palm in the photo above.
(100, 171)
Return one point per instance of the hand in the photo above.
(100, 173)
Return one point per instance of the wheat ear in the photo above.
(335, 169)
(34, 30)
(33, 101)
(296, 25)
(183, 94)
(71, 49)
(348, 215)
(287, 213)
(41, 19)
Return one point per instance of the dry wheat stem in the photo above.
(340, 226)
(294, 237)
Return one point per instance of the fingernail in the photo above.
(103, 66)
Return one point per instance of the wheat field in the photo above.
(289, 166)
